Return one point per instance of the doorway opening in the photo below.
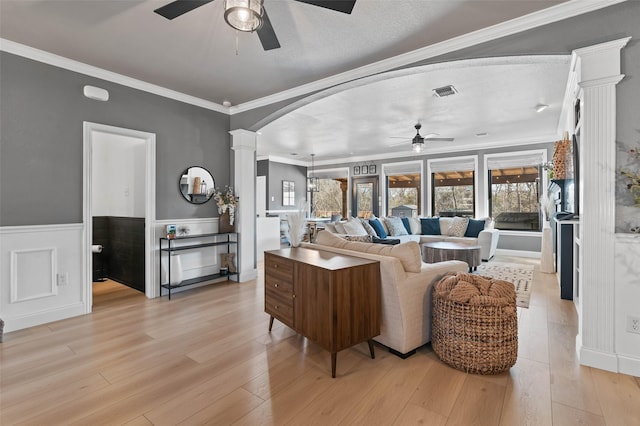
(119, 208)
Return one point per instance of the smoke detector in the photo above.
(443, 91)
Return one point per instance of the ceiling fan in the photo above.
(249, 15)
(417, 143)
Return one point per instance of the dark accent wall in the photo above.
(42, 110)
(122, 258)
(279, 172)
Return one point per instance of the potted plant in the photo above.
(227, 205)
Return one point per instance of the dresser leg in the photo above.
(370, 342)
(270, 323)
(333, 364)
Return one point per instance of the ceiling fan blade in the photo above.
(440, 139)
(267, 34)
(180, 7)
(344, 6)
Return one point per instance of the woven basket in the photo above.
(475, 323)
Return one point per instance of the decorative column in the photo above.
(243, 144)
(598, 74)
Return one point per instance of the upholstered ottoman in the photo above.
(475, 323)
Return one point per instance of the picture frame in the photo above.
(356, 170)
(372, 169)
(364, 170)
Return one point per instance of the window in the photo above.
(403, 182)
(453, 186)
(330, 199)
(515, 187)
(453, 194)
(288, 193)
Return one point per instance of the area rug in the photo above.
(520, 275)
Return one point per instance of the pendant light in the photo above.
(312, 181)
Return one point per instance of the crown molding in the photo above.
(553, 14)
(536, 19)
(82, 68)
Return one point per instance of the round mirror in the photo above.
(196, 185)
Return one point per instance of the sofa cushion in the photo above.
(340, 227)
(474, 227)
(395, 226)
(377, 226)
(407, 253)
(430, 226)
(354, 227)
(458, 226)
(368, 228)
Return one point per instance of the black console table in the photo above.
(177, 244)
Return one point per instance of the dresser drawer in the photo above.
(276, 266)
(277, 285)
(279, 308)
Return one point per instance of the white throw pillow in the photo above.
(416, 226)
(395, 226)
(331, 227)
(367, 227)
(340, 227)
(458, 226)
(354, 227)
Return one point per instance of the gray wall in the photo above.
(279, 172)
(42, 110)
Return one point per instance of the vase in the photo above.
(224, 223)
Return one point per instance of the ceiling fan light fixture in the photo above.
(244, 15)
(417, 145)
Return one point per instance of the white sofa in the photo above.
(487, 238)
(407, 284)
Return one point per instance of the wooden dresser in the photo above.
(332, 299)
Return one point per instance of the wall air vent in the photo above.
(443, 91)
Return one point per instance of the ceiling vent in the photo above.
(443, 91)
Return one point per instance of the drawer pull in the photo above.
(275, 266)
(293, 296)
(276, 306)
(276, 285)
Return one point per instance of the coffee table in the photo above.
(441, 251)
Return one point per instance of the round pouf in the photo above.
(475, 323)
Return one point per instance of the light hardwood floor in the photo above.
(205, 357)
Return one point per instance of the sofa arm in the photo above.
(414, 298)
(488, 242)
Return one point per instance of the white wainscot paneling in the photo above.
(627, 291)
(29, 283)
(32, 260)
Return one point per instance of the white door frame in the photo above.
(150, 204)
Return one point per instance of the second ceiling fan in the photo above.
(250, 15)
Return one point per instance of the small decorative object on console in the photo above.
(171, 231)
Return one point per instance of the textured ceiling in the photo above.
(199, 55)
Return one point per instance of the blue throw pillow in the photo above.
(407, 225)
(474, 227)
(430, 225)
(377, 226)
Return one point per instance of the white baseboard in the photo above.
(518, 253)
(629, 365)
(597, 359)
(37, 318)
(248, 275)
